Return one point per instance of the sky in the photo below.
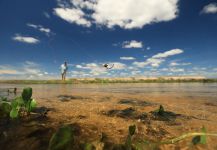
(140, 37)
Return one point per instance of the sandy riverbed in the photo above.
(97, 109)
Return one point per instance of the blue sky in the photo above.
(140, 37)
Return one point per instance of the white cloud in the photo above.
(136, 72)
(126, 14)
(132, 44)
(129, 14)
(210, 8)
(150, 61)
(79, 74)
(164, 69)
(173, 64)
(26, 70)
(139, 64)
(93, 68)
(157, 59)
(46, 15)
(177, 69)
(7, 70)
(97, 69)
(127, 58)
(72, 15)
(47, 31)
(168, 53)
(25, 39)
(118, 66)
(148, 48)
(179, 64)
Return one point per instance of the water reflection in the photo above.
(187, 89)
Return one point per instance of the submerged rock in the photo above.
(125, 113)
(66, 98)
(135, 102)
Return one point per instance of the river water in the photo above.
(185, 89)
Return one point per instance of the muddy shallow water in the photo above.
(111, 108)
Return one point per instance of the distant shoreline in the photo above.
(113, 80)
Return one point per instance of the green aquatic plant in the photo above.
(29, 103)
(3, 99)
(62, 139)
(131, 132)
(88, 146)
(198, 138)
(5, 108)
(24, 102)
(160, 111)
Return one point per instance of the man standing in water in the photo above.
(64, 68)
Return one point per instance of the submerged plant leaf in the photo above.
(200, 139)
(88, 146)
(14, 104)
(19, 100)
(146, 145)
(128, 143)
(161, 110)
(5, 108)
(132, 129)
(3, 99)
(196, 140)
(27, 94)
(203, 137)
(14, 113)
(33, 104)
(62, 139)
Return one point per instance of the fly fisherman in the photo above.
(64, 69)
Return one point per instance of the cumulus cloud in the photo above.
(26, 70)
(40, 28)
(25, 39)
(93, 68)
(157, 59)
(168, 53)
(118, 66)
(150, 61)
(97, 69)
(72, 15)
(126, 14)
(210, 8)
(132, 44)
(127, 58)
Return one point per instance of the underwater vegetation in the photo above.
(19, 106)
(65, 136)
(63, 139)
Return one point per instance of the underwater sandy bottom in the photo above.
(98, 109)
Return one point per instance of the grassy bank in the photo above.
(100, 80)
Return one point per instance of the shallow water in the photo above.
(185, 89)
(88, 104)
